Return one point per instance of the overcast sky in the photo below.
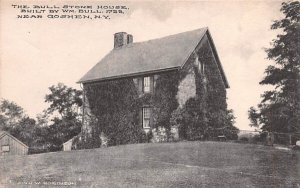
(37, 53)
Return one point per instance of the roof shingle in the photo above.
(153, 55)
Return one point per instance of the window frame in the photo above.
(5, 150)
(146, 84)
(146, 110)
(201, 66)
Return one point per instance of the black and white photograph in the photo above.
(153, 94)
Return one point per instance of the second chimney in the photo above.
(121, 39)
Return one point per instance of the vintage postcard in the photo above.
(149, 93)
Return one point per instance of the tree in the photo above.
(230, 131)
(25, 130)
(279, 109)
(16, 122)
(65, 102)
(10, 114)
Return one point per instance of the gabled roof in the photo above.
(151, 56)
(3, 133)
(70, 140)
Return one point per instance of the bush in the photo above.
(146, 137)
(36, 150)
(244, 139)
(259, 138)
(174, 134)
(160, 134)
(86, 142)
(296, 148)
(53, 148)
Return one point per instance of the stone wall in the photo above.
(186, 88)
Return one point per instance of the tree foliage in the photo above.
(66, 102)
(10, 114)
(54, 126)
(14, 120)
(279, 109)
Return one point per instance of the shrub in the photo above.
(36, 150)
(259, 138)
(296, 148)
(244, 139)
(80, 142)
(146, 137)
(160, 134)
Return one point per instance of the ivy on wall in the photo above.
(116, 107)
(203, 114)
(164, 99)
(117, 104)
(216, 91)
(191, 118)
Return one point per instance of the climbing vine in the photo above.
(116, 108)
(117, 104)
(203, 114)
(164, 99)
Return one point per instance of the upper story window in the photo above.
(146, 84)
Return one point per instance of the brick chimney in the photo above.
(121, 39)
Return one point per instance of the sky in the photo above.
(38, 53)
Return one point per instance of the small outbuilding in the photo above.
(67, 146)
(11, 145)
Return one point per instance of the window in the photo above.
(146, 84)
(5, 148)
(200, 66)
(146, 117)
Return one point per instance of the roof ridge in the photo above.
(160, 38)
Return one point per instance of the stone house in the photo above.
(190, 58)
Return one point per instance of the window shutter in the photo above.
(136, 83)
(141, 117)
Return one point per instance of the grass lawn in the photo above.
(183, 164)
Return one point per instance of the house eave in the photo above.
(129, 75)
(218, 61)
(225, 81)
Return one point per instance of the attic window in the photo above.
(146, 84)
(200, 66)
